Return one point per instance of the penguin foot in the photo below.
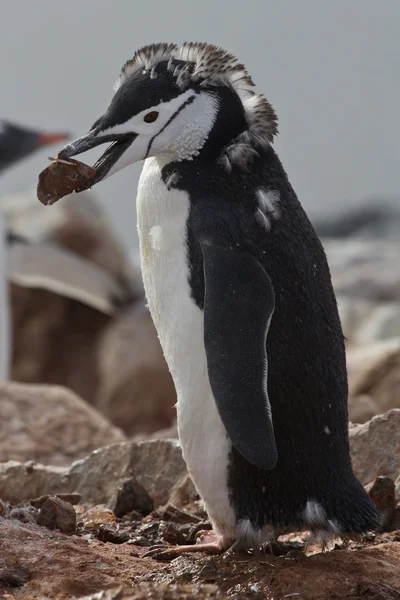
(207, 541)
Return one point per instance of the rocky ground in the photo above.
(94, 491)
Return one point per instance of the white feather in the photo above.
(162, 217)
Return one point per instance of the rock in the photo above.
(375, 370)
(377, 219)
(362, 408)
(136, 388)
(23, 481)
(132, 496)
(98, 515)
(353, 313)
(54, 340)
(162, 592)
(71, 498)
(25, 514)
(14, 577)
(49, 424)
(106, 534)
(382, 493)
(55, 334)
(375, 447)
(183, 492)
(361, 269)
(3, 509)
(383, 323)
(397, 488)
(78, 223)
(57, 514)
(157, 466)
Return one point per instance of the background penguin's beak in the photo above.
(45, 139)
(119, 144)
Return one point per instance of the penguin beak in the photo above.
(119, 144)
(45, 139)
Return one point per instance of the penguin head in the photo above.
(18, 142)
(193, 102)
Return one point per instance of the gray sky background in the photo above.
(331, 69)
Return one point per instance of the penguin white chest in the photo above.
(162, 225)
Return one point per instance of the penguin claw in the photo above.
(176, 551)
(210, 543)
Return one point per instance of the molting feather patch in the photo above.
(207, 66)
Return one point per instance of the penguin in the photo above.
(240, 292)
(18, 142)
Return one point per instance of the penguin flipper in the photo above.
(238, 307)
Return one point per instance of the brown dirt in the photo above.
(36, 563)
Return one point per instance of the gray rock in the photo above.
(381, 324)
(353, 312)
(23, 481)
(375, 370)
(382, 493)
(136, 391)
(57, 514)
(375, 447)
(50, 425)
(364, 268)
(157, 465)
(362, 408)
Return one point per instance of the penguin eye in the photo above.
(151, 117)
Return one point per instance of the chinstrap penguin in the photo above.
(18, 142)
(240, 292)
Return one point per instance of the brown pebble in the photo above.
(172, 513)
(62, 177)
(71, 498)
(3, 509)
(57, 514)
(14, 576)
(382, 493)
(173, 535)
(110, 534)
(132, 496)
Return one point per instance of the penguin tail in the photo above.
(343, 509)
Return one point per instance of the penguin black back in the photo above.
(307, 377)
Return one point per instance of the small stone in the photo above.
(57, 514)
(172, 513)
(183, 492)
(109, 534)
(71, 498)
(14, 577)
(25, 514)
(173, 535)
(382, 493)
(132, 496)
(3, 509)
(374, 447)
(98, 515)
(208, 573)
(48, 424)
(362, 408)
